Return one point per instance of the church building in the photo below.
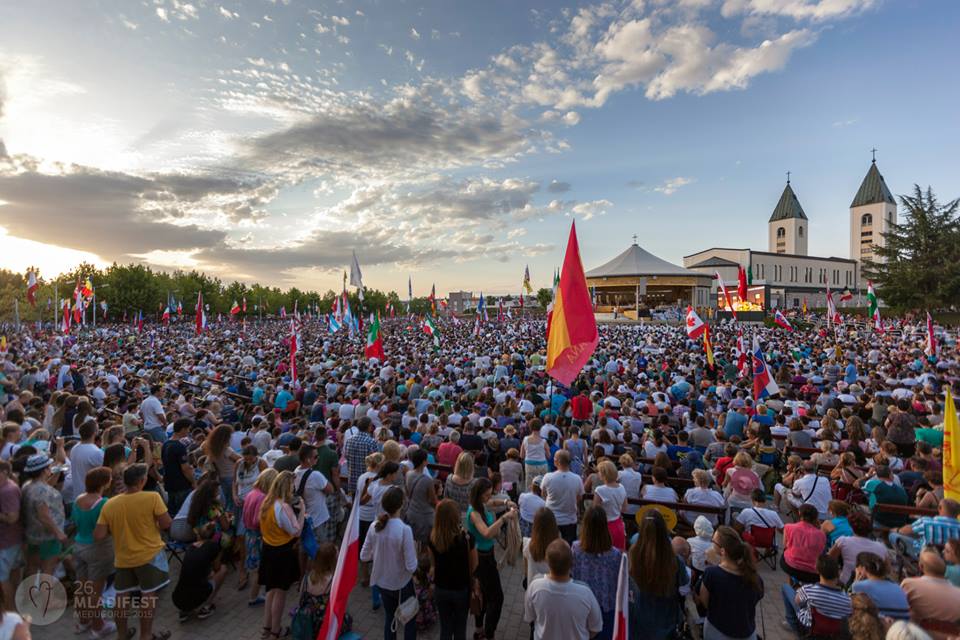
(785, 275)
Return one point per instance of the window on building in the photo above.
(800, 232)
(781, 232)
(866, 234)
(866, 219)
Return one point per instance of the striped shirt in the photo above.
(935, 530)
(829, 601)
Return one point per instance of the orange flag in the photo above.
(573, 336)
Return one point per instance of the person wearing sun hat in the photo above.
(44, 517)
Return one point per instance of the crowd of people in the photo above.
(126, 453)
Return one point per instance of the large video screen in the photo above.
(756, 299)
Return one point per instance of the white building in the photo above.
(791, 274)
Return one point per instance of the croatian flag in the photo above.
(781, 320)
(621, 624)
(344, 577)
(763, 383)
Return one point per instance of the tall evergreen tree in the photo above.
(920, 266)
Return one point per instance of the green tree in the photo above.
(544, 296)
(920, 266)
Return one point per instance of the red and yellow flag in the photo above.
(572, 337)
(951, 449)
(708, 345)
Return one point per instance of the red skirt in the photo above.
(618, 533)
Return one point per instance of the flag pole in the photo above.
(94, 309)
(56, 301)
(16, 313)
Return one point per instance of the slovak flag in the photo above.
(695, 326)
(781, 320)
(621, 615)
(344, 578)
(763, 383)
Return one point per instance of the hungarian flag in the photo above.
(166, 314)
(244, 304)
(430, 328)
(179, 308)
(573, 335)
(201, 319)
(846, 295)
(293, 353)
(726, 295)
(695, 326)
(931, 339)
(32, 288)
(344, 578)
(235, 309)
(708, 346)
(741, 283)
(874, 305)
(374, 348)
(621, 614)
(526, 281)
(781, 320)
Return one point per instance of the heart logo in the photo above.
(42, 592)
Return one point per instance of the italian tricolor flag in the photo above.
(430, 328)
(874, 306)
(374, 348)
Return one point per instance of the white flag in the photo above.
(356, 277)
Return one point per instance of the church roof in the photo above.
(636, 261)
(788, 207)
(716, 261)
(873, 189)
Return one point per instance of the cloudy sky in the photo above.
(454, 141)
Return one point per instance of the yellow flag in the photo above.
(708, 345)
(951, 450)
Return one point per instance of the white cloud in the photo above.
(587, 210)
(670, 186)
(343, 22)
(571, 118)
(227, 14)
(816, 10)
(414, 33)
(162, 14)
(320, 28)
(129, 25)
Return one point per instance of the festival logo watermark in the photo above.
(42, 597)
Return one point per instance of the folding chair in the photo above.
(176, 550)
(763, 540)
(825, 627)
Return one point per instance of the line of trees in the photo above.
(130, 288)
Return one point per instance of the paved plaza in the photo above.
(234, 620)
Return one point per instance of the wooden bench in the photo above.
(720, 512)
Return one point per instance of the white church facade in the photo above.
(785, 275)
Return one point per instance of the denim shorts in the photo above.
(10, 558)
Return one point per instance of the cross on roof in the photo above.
(874, 152)
(634, 238)
(788, 177)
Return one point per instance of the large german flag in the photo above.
(572, 336)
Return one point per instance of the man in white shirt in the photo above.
(758, 516)
(562, 490)
(84, 456)
(154, 418)
(314, 490)
(559, 607)
(811, 488)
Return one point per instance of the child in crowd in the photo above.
(314, 594)
(529, 503)
(423, 587)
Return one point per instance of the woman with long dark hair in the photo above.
(731, 590)
(596, 562)
(656, 575)
(224, 459)
(454, 559)
(484, 529)
(390, 546)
